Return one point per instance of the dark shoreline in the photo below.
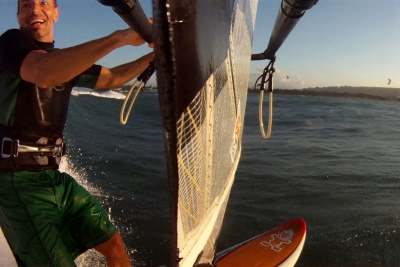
(377, 93)
(311, 92)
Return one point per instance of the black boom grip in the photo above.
(132, 13)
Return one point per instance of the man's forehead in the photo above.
(43, 1)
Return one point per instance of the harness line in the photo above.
(142, 78)
(266, 77)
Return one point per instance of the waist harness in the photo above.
(27, 155)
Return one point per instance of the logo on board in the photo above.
(278, 240)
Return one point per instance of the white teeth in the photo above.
(36, 21)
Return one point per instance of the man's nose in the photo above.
(36, 6)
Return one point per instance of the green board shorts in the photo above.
(49, 219)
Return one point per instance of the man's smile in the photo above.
(36, 23)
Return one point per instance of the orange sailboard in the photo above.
(280, 246)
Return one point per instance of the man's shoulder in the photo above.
(11, 33)
(14, 46)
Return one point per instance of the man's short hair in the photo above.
(55, 4)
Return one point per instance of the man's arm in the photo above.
(49, 69)
(120, 75)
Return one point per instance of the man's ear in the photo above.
(56, 13)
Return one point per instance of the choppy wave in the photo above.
(80, 176)
(114, 94)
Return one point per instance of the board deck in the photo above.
(280, 246)
(6, 256)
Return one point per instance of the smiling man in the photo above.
(47, 218)
(39, 26)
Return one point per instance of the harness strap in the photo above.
(17, 155)
(12, 147)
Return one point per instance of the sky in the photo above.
(336, 43)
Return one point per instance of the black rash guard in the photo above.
(28, 112)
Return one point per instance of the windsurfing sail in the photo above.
(202, 56)
(389, 81)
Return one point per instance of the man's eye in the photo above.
(26, 5)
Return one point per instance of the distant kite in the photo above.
(389, 81)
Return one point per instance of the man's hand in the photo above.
(130, 37)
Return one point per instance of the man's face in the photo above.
(36, 17)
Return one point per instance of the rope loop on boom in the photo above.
(142, 78)
(266, 78)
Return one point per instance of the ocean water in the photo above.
(334, 162)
